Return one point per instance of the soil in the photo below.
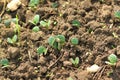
(96, 41)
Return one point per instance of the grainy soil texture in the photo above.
(92, 22)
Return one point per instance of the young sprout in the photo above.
(17, 27)
(56, 41)
(4, 63)
(112, 59)
(45, 23)
(34, 3)
(76, 23)
(55, 5)
(74, 41)
(35, 29)
(75, 62)
(41, 50)
(70, 78)
(7, 22)
(35, 20)
(12, 40)
(117, 14)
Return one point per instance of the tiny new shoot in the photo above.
(56, 41)
(112, 59)
(75, 62)
(41, 50)
(35, 29)
(45, 23)
(12, 40)
(4, 63)
(76, 23)
(17, 27)
(35, 20)
(33, 3)
(117, 14)
(74, 41)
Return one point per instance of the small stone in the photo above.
(42, 60)
(93, 68)
(67, 63)
(13, 5)
(13, 52)
(36, 35)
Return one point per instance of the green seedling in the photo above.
(41, 50)
(76, 23)
(74, 41)
(56, 41)
(117, 14)
(34, 3)
(55, 5)
(7, 22)
(70, 78)
(17, 27)
(45, 23)
(75, 62)
(35, 20)
(35, 29)
(4, 63)
(112, 59)
(12, 40)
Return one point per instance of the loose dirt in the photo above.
(96, 41)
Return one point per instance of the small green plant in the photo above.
(45, 23)
(12, 40)
(112, 59)
(70, 78)
(76, 23)
(55, 5)
(56, 41)
(117, 14)
(34, 3)
(74, 41)
(7, 22)
(75, 62)
(35, 29)
(41, 50)
(17, 27)
(35, 20)
(4, 63)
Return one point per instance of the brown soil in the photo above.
(96, 41)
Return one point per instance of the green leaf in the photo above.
(62, 38)
(112, 58)
(117, 14)
(74, 41)
(35, 29)
(14, 39)
(4, 62)
(76, 23)
(43, 23)
(41, 50)
(36, 19)
(73, 61)
(7, 22)
(70, 78)
(33, 3)
(9, 40)
(77, 60)
(54, 5)
(51, 40)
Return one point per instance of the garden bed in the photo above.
(92, 22)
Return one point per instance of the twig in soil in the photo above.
(55, 61)
(30, 56)
(3, 10)
(97, 75)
